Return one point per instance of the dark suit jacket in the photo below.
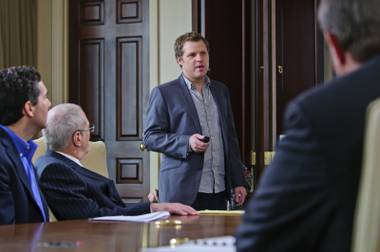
(74, 192)
(170, 121)
(306, 198)
(17, 204)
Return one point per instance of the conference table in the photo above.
(93, 236)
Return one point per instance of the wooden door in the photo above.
(299, 52)
(109, 78)
(287, 59)
(230, 60)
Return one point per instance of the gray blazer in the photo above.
(170, 121)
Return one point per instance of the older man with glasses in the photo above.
(71, 190)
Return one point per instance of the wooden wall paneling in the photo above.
(109, 57)
(91, 91)
(129, 99)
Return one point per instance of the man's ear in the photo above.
(179, 61)
(77, 138)
(28, 109)
(337, 53)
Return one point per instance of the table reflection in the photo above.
(84, 235)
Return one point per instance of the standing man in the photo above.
(189, 120)
(23, 110)
(306, 198)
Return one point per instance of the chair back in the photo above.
(96, 159)
(41, 149)
(366, 232)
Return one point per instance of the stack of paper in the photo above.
(216, 244)
(138, 218)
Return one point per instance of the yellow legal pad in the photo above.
(222, 212)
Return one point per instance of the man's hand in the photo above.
(153, 196)
(196, 143)
(174, 208)
(240, 194)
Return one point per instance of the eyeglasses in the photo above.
(91, 129)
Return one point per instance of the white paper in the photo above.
(137, 218)
(215, 244)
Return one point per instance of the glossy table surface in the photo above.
(84, 235)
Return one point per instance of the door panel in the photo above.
(108, 78)
(292, 62)
(92, 82)
(229, 56)
(299, 54)
(230, 60)
(288, 59)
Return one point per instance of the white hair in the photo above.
(62, 121)
(355, 23)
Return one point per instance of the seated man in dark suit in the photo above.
(72, 191)
(306, 198)
(23, 109)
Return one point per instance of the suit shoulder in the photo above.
(223, 88)
(342, 101)
(218, 83)
(360, 86)
(169, 86)
(321, 104)
(48, 161)
(45, 160)
(3, 155)
(6, 145)
(8, 154)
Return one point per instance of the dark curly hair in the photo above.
(17, 86)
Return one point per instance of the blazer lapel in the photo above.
(19, 167)
(219, 100)
(189, 104)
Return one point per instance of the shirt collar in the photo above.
(190, 85)
(24, 148)
(74, 159)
